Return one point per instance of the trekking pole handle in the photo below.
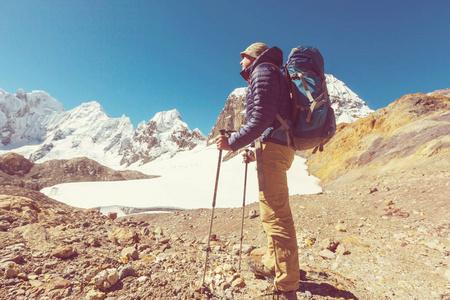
(226, 133)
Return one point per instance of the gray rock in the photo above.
(330, 244)
(130, 253)
(252, 214)
(127, 272)
(327, 254)
(246, 249)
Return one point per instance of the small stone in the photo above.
(112, 215)
(388, 202)
(342, 250)
(64, 252)
(238, 282)
(91, 272)
(327, 254)
(95, 295)
(130, 253)
(127, 272)
(330, 244)
(57, 283)
(11, 270)
(145, 231)
(175, 238)
(225, 286)
(158, 231)
(252, 214)
(92, 241)
(50, 264)
(164, 241)
(4, 225)
(228, 268)
(308, 294)
(106, 278)
(142, 279)
(246, 249)
(341, 227)
(124, 236)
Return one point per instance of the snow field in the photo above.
(186, 181)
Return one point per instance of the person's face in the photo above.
(246, 62)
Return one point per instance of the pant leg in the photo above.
(276, 217)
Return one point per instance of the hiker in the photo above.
(267, 95)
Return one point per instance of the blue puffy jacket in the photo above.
(267, 95)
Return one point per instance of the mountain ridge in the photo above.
(38, 127)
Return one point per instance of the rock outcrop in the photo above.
(16, 170)
(411, 133)
(232, 116)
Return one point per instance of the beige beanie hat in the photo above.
(255, 50)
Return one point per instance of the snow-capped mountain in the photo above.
(347, 105)
(21, 116)
(164, 134)
(36, 126)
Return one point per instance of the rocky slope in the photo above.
(411, 134)
(381, 240)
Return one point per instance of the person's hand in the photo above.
(248, 156)
(222, 143)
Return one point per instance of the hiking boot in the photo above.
(279, 295)
(260, 269)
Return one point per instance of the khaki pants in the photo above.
(276, 216)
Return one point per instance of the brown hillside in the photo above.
(410, 135)
(16, 170)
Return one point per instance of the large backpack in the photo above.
(314, 122)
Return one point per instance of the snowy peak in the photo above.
(347, 105)
(36, 126)
(22, 114)
(164, 135)
(166, 119)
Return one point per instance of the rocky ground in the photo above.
(386, 239)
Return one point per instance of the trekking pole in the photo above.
(222, 132)
(243, 211)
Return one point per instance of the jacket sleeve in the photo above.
(265, 89)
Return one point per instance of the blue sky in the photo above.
(141, 57)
